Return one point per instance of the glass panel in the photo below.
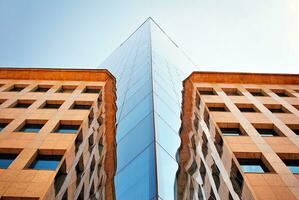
(34, 128)
(6, 160)
(134, 117)
(137, 140)
(166, 136)
(137, 180)
(67, 128)
(167, 168)
(44, 162)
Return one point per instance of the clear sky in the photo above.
(230, 35)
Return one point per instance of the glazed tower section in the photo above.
(149, 73)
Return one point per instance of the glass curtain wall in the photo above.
(149, 69)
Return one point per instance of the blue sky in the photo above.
(231, 35)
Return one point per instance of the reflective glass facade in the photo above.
(149, 69)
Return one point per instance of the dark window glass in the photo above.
(250, 109)
(16, 88)
(258, 94)
(231, 131)
(6, 160)
(2, 126)
(208, 92)
(34, 128)
(52, 105)
(296, 131)
(2, 101)
(218, 109)
(92, 90)
(46, 162)
(62, 128)
(267, 132)
(22, 105)
(81, 107)
(293, 165)
(41, 89)
(281, 94)
(252, 165)
(276, 110)
(66, 89)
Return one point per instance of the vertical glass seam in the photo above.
(152, 82)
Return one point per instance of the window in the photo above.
(29, 127)
(266, 132)
(282, 93)
(49, 104)
(296, 131)
(247, 108)
(81, 105)
(294, 128)
(293, 165)
(66, 128)
(92, 89)
(232, 91)
(42, 88)
(2, 101)
(22, 104)
(276, 108)
(218, 108)
(2, 126)
(66, 89)
(231, 131)
(6, 160)
(257, 92)
(45, 162)
(252, 165)
(17, 88)
(206, 91)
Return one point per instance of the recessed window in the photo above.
(67, 128)
(45, 162)
(257, 92)
(2, 101)
(296, 131)
(276, 108)
(6, 160)
(267, 132)
(66, 89)
(293, 165)
(42, 88)
(252, 165)
(231, 131)
(29, 127)
(218, 108)
(92, 89)
(22, 104)
(206, 91)
(3, 125)
(247, 108)
(282, 93)
(81, 105)
(294, 128)
(49, 104)
(17, 88)
(232, 91)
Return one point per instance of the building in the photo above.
(149, 69)
(57, 138)
(162, 142)
(239, 137)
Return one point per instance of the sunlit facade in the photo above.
(239, 137)
(152, 132)
(57, 134)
